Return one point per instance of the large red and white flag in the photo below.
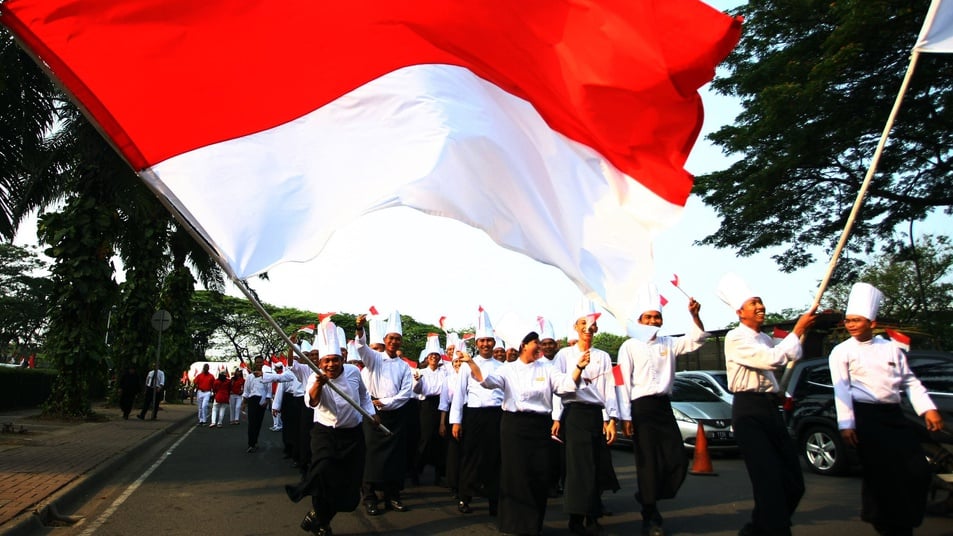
(937, 32)
(558, 127)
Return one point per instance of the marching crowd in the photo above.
(517, 427)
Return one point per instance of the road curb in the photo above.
(43, 517)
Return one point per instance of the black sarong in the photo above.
(589, 469)
(524, 484)
(896, 475)
(334, 478)
(660, 459)
(386, 463)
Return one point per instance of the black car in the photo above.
(812, 419)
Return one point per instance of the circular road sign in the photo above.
(161, 320)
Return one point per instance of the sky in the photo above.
(438, 267)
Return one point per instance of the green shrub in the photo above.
(24, 387)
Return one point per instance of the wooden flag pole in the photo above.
(860, 197)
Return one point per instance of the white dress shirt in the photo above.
(596, 384)
(161, 379)
(389, 379)
(430, 382)
(529, 387)
(751, 357)
(874, 372)
(332, 410)
(648, 368)
(470, 393)
(255, 387)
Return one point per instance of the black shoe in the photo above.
(308, 523)
(577, 528)
(371, 509)
(749, 530)
(140, 417)
(593, 526)
(397, 506)
(323, 530)
(252, 449)
(464, 508)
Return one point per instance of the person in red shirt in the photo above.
(203, 391)
(221, 389)
(235, 396)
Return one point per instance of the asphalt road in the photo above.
(203, 482)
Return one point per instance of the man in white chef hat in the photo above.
(868, 373)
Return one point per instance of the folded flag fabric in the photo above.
(560, 128)
(900, 339)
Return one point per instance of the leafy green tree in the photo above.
(82, 292)
(24, 300)
(916, 283)
(27, 113)
(817, 80)
(609, 342)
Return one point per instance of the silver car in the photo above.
(693, 404)
(715, 381)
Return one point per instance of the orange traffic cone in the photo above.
(702, 461)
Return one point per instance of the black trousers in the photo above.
(589, 470)
(305, 425)
(771, 460)
(256, 414)
(151, 403)
(896, 475)
(453, 456)
(480, 456)
(524, 469)
(334, 478)
(660, 459)
(431, 448)
(291, 424)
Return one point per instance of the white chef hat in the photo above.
(375, 328)
(734, 291)
(352, 354)
(432, 346)
(499, 343)
(648, 299)
(342, 338)
(453, 340)
(394, 324)
(306, 347)
(545, 329)
(484, 328)
(585, 307)
(326, 338)
(864, 301)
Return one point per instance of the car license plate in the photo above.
(718, 434)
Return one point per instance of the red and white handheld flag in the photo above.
(373, 310)
(585, 110)
(676, 285)
(900, 339)
(307, 329)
